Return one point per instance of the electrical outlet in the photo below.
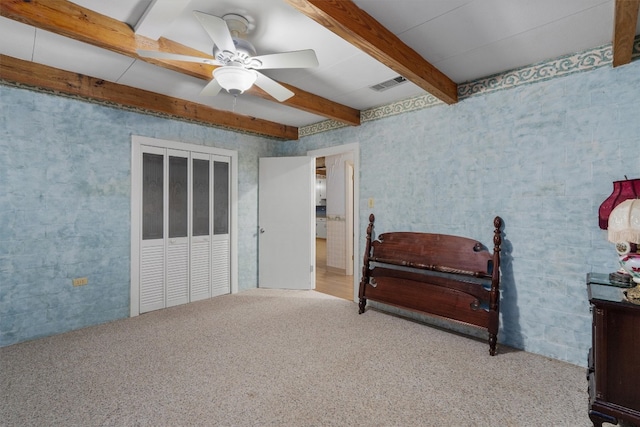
(80, 281)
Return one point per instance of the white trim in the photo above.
(177, 145)
(137, 142)
(234, 220)
(355, 149)
(136, 172)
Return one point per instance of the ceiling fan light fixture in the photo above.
(235, 79)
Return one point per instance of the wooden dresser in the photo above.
(614, 359)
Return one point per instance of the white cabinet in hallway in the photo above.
(321, 228)
(321, 190)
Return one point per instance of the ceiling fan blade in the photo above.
(175, 57)
(211, 89)
(273, 88)
(218, 31)
(295, 59)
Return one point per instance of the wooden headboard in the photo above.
(452, 277)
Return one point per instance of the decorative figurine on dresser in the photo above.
(614, 358)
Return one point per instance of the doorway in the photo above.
(336, 220)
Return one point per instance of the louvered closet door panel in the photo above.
(201, 227)
(220, 268)
(152, 278)
(200, 272)
(152, 256)
(220, 245)
(178, 228)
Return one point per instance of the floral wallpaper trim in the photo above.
(399, 107)
(562, 66)
(321, 127)
(565, 65)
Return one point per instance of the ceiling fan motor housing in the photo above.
(242, 55)
(238, 28)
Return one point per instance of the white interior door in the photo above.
(286, 228)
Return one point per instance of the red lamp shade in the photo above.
(622, 190)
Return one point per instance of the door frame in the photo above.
(137, 142)
(353, 148)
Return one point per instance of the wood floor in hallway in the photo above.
(329, 282)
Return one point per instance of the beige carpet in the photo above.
(281, 358)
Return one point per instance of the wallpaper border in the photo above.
(562, 66)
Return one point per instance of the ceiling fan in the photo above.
(237, 60)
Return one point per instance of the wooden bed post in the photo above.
(365, 266)
(494, 299)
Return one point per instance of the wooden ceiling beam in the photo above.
(40, 76)
(626, 20)
(70, 20)
(347, 20)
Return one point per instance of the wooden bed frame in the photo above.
(451, 277)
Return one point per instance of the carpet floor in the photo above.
(281, 358)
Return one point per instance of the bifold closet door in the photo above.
(164, 258)
(210, 241)
(185, 250)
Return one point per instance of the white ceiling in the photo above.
(465, 39)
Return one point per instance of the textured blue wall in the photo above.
(542, 156)
(65, 179)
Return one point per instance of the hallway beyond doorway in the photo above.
(327, 282)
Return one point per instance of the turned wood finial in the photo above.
(494, 299)
(365, 265)
(497, 235)
(367, 250)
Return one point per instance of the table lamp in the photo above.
(624, 231)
